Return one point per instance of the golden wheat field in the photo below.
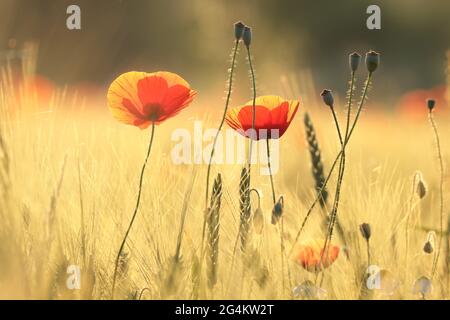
(163, 150)
(69, 183)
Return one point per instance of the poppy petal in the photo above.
(138, 98)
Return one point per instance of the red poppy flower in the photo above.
(272, 112)
(309, 252)
(140, 98)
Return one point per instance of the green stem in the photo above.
(342, 168)
(208, 173)
(227, 102)
(257, 194)
(270, 171)
(122, 245)
(308, 213)
(249, 57)
(349, 106)
(338, 189)
(441, 191)
(410, 209)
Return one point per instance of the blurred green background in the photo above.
(194, 39)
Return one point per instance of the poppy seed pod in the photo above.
(421, 189)
(354, 60)
(258, 220)
(431, 103)
(277, 210)
(372, 60)
(423, 286)
(239, 30)
(327, 97)
(428, 247)
(247, 36)
(365, 231)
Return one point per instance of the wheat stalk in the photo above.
(244, 207)
(213, 222)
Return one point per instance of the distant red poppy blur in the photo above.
(308, 254)
(413, 103)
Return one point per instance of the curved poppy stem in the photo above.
(341, 172)
(227, 102)
(252, 71)
(138, 200)
(257, 194)
(333, 166)
(281, 223)
(270, 171)
(441, 191)
(208, 172)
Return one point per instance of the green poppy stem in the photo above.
(252, 72)
(316, 200)
(441, 192)
(270, 172)
(227, 102)
(138, 200)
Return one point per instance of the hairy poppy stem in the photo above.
(208, 172)
(252, 71)
(281, 222)
(343, 142)
(227, 102)
(338, 189)
(349, 106)
(122, 245)
(310, 209)
(342, 169)
(270, 172)
(410, 209)
(441, 190)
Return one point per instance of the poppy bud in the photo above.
(423, 286)
(238, 30)
(428, 247)
(258, 220)
(277, 210)
(431, 103)
(365, 231)
(247, 36)
(327, 97)
(372, 60)
(354, 60)
(421, 189)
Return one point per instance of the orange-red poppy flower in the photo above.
(272, 112)
(140, 98)
(309, 253)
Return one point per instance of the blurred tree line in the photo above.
(194, 38)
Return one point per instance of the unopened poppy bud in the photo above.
(365, 231)
(277, 210)
(258, 220)
(372, 60)
(247, 36)
(239, 30)
(354, 60)
(428, 247)
(421, 189)
(431, 103)
(423, 286)
(327, 97)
